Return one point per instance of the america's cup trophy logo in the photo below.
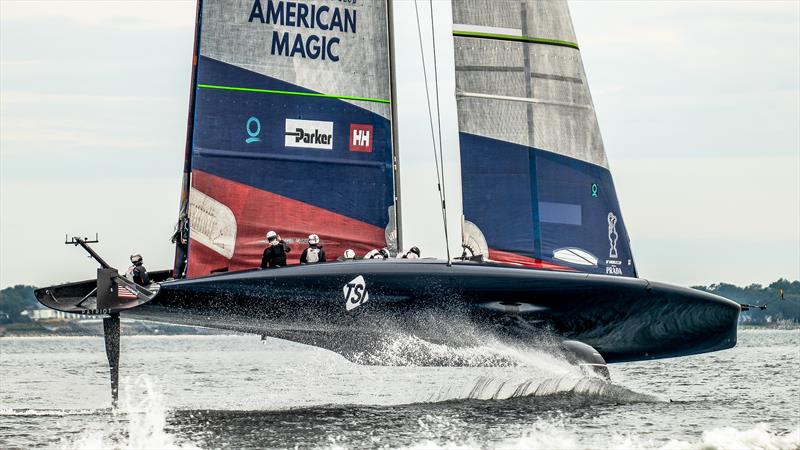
(612, 235)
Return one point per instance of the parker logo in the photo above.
(360, 138)
(309, 134)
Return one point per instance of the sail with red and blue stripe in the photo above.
(291, 130)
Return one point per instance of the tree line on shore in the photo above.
(784, 307)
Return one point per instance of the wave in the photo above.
(554, 435)
(590, 388)
(50, 412)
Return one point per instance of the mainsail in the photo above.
(535, 178)
(291, 130)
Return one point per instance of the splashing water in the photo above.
(139, 423)
(521, 370)
(475, 348)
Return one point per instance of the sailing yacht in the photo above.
(466, 128)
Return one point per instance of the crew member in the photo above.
(137, 273)
(314, 253)
(377, 254)
(414, 253)
(349, 255)
(275, 254)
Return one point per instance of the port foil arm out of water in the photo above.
(106, 296)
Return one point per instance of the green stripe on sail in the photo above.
(511, 37)
(302, 94)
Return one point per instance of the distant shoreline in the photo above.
(137, 328)
(95, 328)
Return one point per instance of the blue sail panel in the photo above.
(543, 206)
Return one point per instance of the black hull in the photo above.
(625, 319)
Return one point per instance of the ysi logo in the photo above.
(355, 293)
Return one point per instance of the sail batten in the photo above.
(300, 93)
(522, 99)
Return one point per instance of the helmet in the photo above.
(415, 250)
(349, 254)
(136, 259)
(271, 235)
(313, 239)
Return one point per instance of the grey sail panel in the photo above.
(551, 77)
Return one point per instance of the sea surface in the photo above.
(240, 392)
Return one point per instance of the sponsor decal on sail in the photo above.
(253, 128)
(309, 16)
(309, 134)
(360, 137)
(612, 265)
(575, 255)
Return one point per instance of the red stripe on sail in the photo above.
(257, 211)
(513, 258)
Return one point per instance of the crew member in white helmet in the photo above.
(348, 255)
(137, 273)
(314, 253)
(275, 254)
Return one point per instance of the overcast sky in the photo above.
(698, 103)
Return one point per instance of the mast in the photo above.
(394, 128)
(181, 247)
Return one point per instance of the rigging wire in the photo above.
(436, 155)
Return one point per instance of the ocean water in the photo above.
(241, 392)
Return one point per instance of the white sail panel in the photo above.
(532, 59)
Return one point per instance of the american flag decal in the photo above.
(124, 292)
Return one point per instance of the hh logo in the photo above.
(360, 138)
(355, 293)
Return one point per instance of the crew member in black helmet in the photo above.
(275, 254)
(414, 253)
(377, 254)
(137, 273)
